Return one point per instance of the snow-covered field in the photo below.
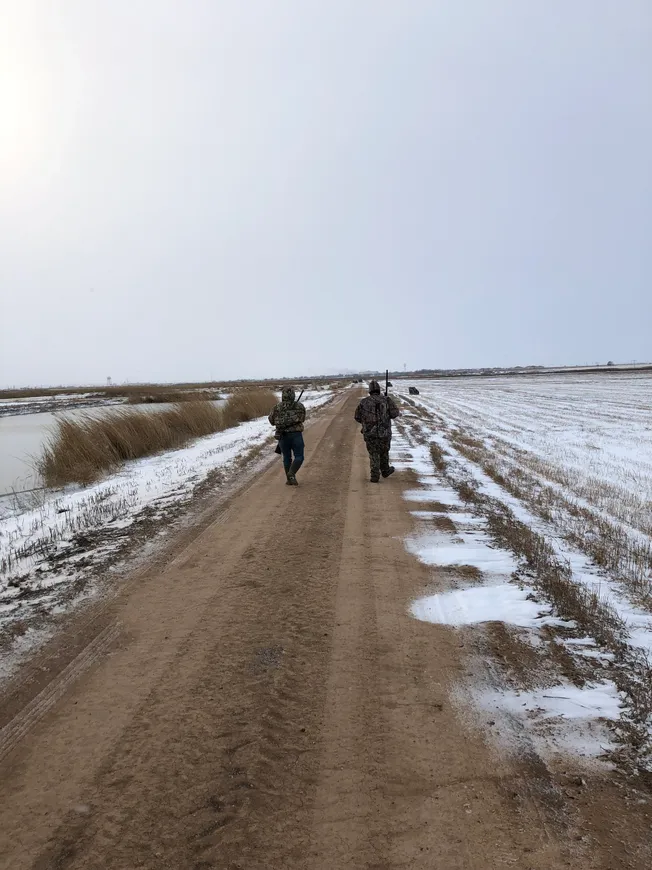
(567, 459)
(576, 449)
(56, 402)
(593, 433)
(48, 547)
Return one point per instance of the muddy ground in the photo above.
(261, 699)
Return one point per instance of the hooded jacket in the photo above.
(288, 415)
(376, 412)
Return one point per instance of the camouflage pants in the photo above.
(378, 449)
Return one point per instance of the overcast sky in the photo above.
(210, 189)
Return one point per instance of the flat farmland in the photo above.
(553, 472)
(590, 434)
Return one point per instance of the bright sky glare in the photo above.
(198, 190)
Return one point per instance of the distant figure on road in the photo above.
(375, 413)
(288, 417)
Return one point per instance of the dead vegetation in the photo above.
(627, 558)
(166, 397)
(127, 391)
(434, 506)
(553, 575)
(544, 568)
(82, 449)
(438, 457)
(468, 572)
(444, 524)
(628, 503)
(77, 525)
(247, 405)
(86, 538)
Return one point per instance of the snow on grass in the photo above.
(638, 622)
(561, 719)
(439, 494)
(585, 646)
(57, 402)
(558, 722)
(588, 437)
(50, 554)
(470, 545)
(30, 539)
(600, 701)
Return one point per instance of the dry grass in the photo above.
(543, 568)
(95, 510)
(444, 524)
(435, 506)
(632, 672)
(555, 578)
(466, 440)
(438, 457)
(248, 405)
(468, 572)
(129, 390)
(605, 540)
(171, 398)
(414, 408)
(81, 450)
(552, 575)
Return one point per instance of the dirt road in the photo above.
(264, 701)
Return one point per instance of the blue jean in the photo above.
(291, 444)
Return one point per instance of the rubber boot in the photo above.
(292, 479)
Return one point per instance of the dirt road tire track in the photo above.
(269, 704)
(32, 713)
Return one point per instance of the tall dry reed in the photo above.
(81, 449)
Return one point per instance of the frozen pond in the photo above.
(22, 437)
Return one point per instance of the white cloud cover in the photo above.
(200, 190)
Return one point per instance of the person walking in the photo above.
(375, 414)
(288, 416)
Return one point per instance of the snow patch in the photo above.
(447, 497)
(601, 701)
(465, 549)
(503, 603)
(559, 722)
(29, 538)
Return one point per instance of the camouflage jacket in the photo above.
(288, 415)
(375, 413)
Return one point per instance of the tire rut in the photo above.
(220, 757)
